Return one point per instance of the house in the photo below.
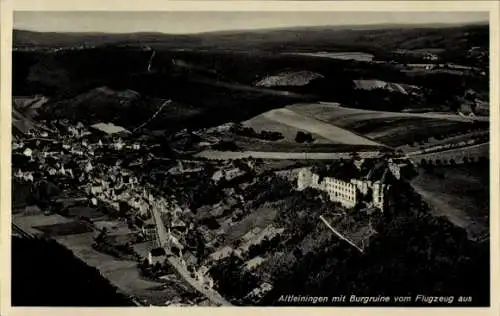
(28, 152)
(136, 146)
(221, 253)
(228, 175)
(157, 255)
(430, 56)
(110, 129)
(149, 231)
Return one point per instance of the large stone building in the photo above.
(351, 183)
(338, 190)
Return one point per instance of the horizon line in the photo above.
(353, 26)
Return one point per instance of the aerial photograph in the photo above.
(241, 158)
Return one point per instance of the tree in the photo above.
(102, 237)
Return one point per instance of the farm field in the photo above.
(27, 222)
(280, 155)
(460, 193)
(257, 145)
(458, 154)
(260, 217)
(61, 229)
(358, 56)
(390, 128)
(342, 116)
(315, 126)
(262, 123)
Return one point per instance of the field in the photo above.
(313, 125)
(459, 192)
(472, 153)
(260, 217)
(358, 56)
(62, 229)
(27, 221)
(90, 212)
(390, 128)
(262, 123)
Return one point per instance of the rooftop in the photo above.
(110, 128)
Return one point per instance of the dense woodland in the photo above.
(412, 253)
(120, 63)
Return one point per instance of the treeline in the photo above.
(412, 253)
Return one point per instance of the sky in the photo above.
(188, 22)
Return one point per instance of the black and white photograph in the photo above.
(250, 158)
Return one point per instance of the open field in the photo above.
(62, 229)
(260, 217)
(402, 130)
(390, 128)
(312, 125)
(262, 123)
(358, 56)
(460, 193)
(122, 273)
(257, 145)
(335, 114)
(90, 212)
(28, 222)
(225, 155)
(458, 154)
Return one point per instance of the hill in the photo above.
(382, 36)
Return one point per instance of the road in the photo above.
(224, 155)
(176, 263)
(211, 294)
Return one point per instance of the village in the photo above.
(184, 208)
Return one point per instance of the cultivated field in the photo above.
(472, 153)
(358, 56)
(390, 128)
(460, 193)
(62, 229)
(315, 126)
(226, 155)
(262, 123)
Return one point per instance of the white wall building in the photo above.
(339, 191)
(349, 193)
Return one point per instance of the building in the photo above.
(430, 56)
(351, 184)
(110, 129)
(338, 190)
(149, 231)
(157, 255)
(399, 167)
(228, 175)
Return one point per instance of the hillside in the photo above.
(387, 37)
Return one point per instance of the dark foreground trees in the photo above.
(412, 253)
